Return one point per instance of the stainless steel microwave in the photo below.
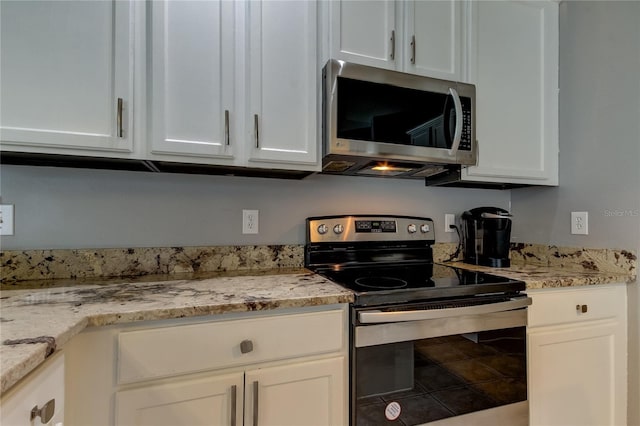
(379, 122)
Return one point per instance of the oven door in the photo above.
(460, 365)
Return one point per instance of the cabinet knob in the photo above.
(45, 413)
(582, 308)
(246, 346)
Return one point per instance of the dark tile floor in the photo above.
(454, 375)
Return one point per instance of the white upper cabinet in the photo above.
(418, 37)
(192, 78)
(67, 73)
(283, 84)
(364, 32)
(234, 83)
(515, 68)
(434, 34)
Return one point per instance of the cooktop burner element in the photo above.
(384, 283)
(389, 259)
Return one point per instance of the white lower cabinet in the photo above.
(203, 401)
(306, 393)
(38, 399)
(286, 367)
(578, 356)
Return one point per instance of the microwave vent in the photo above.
(431, 171)
(337, 166)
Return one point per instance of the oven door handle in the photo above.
(377, 317)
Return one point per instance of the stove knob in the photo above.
(338, 229)
(322, 229)
(424, 228)
(412, 229)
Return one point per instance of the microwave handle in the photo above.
(459, 121)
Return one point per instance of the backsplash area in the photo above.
(22, 265)
(586, 259)
(132, 262)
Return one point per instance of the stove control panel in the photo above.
(327, 229)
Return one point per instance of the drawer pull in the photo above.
(246, 346)
(45, 413)
(582, 308)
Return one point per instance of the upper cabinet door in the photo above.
(364, 32)
(66, 75)
(433, 42)
(192, 78)
(515, 69)
(283, 84)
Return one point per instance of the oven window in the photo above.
(411, 383)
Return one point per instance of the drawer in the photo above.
(558, 306)
(169, 351)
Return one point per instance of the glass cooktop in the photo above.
(396, 284)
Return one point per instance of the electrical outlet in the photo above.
(250, 221)
(580, 223)
(6, 219)
(449, 219)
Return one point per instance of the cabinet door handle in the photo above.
(582, 308)
(246, 346)
(226, 127)
(119, 118)
(393, 45)
(255, 403)
(234, 402)
(413, 49)
(45, 413)
(255, 125)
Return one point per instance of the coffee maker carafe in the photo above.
(486, 234)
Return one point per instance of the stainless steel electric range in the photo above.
(430, 344)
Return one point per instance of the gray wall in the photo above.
(73, 208)
(599, 147)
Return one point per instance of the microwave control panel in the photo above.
(465, 140)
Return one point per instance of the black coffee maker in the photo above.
(486, 234)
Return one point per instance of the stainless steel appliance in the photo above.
(429, 343)
(378, 122)
(486, 235)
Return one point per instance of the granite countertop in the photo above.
(539, 277)
(41, 316)
(38, 318)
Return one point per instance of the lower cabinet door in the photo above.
(307, 393)
(43, 389)
(576, 376)
(215, 400)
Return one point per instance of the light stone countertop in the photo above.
(539, 277)
(34, 322)
(39, 317)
